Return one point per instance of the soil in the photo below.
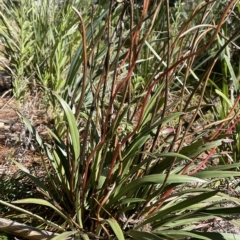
(9, 128)
(15, 140)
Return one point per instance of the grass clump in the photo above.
(131, 145)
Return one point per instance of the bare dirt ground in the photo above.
(9, 133)
(15, 140)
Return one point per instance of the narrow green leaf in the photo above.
(84, 236)
(78, 210)
(115, 227)
(184, 205)
(156, 179)
(172, 154)
(182, 221)
(36, 180)
(58, 165)
(216, 174)
(198, 147)
(229, 198)
(132, 200)
(133, 170)
(223, 167)
(77, 59)
(64, 235)
(139, 235)
(136, 145)
(44, 203)
(159, 120)
(218, 211)
(148, 108)
(225, 98)
(232, 73)
(72, 126)
(138, 141)
(41, 219)
(194, 235)
(31, 129)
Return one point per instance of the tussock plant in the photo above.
(144, 126)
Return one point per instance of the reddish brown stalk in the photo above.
(167, 80)
(134, 59)
(222, 125)
(223, 19)
(233, 125)
(194, 43)
(203, 162)
(172, 67)
(227, 10)
(90, 157)
(222, 121)
(82, 30)
(214, 136)
(160, 203)
(123, 61)
(116, 152)
(177, 39)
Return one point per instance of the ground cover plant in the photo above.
(144, 98)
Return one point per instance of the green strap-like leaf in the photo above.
(132, 200)
(219, 211)
(156, 179)
(184, 205)
(41, 219)
(31, 129)
(72, 127)
(36, 180)
(116, 228)
(225, 98)
(64, 235)
(44, 203)
(137, 235)
(223, 167)
(216, 174)
(180, 234)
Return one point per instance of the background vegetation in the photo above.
(144, 100)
